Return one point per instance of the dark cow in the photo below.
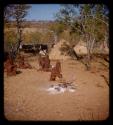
(43, 47)
(27, 48)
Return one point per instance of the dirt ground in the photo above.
(26, 98)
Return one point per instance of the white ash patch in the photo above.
(61, 88)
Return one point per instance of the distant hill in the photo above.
(33, 24)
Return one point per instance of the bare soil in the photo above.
(26, 98)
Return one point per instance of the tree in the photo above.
(19, 13)
(7, 13)
(92, 19)
(48, 37)
(57, 28)
(66, 17)
(86, 20)
(16, 12)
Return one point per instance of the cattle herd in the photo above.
(34, 48)
(12, 65)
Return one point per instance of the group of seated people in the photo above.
(44, 63)
(10, 66)
(22, 64)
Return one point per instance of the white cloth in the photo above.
(20, 47)
(42, 53)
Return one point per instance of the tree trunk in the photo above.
(75, 54)
(88, 57)
(19, 37)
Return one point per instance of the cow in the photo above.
(27, 47)
(36, 48)
(43, 47)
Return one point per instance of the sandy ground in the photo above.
(26, 98)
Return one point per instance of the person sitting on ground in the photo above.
(56, 71)
(42, 53)
(47, 63)
(44, 62)
(10, 67)
(22, 64)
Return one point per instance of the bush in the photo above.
(64, 48)
(10, 37)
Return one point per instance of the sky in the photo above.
(42, 11)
